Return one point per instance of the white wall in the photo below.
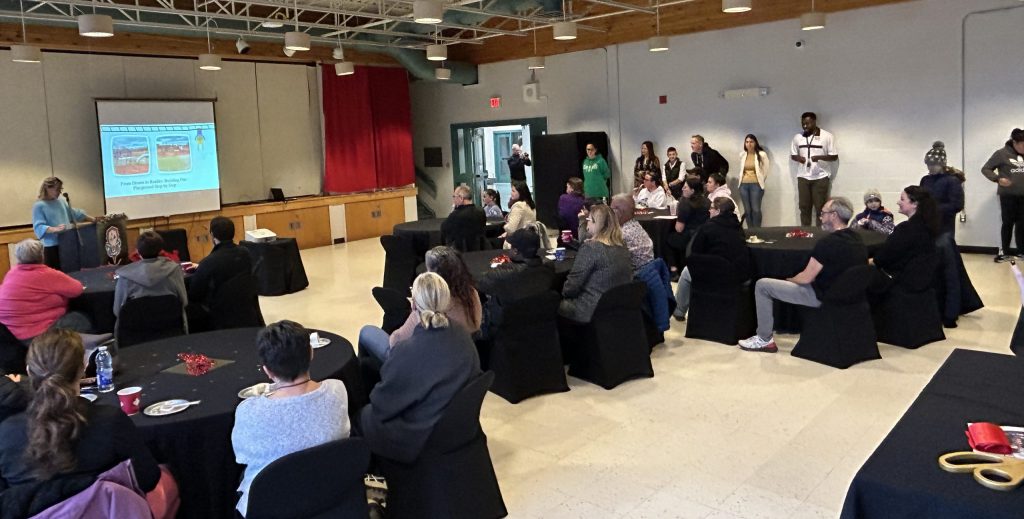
(268, 123)
(885, 80)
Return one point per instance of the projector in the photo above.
(260, 235)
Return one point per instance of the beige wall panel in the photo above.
(24, 140)
(290, 160)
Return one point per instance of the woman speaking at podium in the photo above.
(51, 216)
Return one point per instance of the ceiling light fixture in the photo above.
(208, 61)
(437, 51)
(427, 11)
(813, 20)
(25, 53)
(95, 25)
(288, 52)
(276, 21)
(564, 30)
(657, 43)
(344, 68)
(443, 74)
(242, 46)
(296, 40)
(736, 6)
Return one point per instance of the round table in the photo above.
(97, 301)
(479, 264)
(196, 443)
(658, 223)
(780, 258)
(426, 234)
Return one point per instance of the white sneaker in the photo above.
(756, 343)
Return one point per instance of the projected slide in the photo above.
(159, 157)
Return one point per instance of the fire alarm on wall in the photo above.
(496, 102)
(662, 100)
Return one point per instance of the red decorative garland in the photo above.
(196, 363)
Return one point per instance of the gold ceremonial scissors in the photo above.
(991, 470)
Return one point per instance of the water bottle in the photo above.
(104, 371)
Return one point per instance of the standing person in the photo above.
(570, 204)
(673, 179)
(596, 175)
(706, 160)
(810, 149)
(466, 226)
(1006, 168)
(522, 210)
(755, 171)
(647, 162)
(492, 204)
(51, 216)
(517, 163)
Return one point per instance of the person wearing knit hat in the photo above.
(874, 217)
(1006, 168)
(945, 186)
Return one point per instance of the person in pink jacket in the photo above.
(34, 297)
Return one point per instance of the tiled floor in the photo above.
(717, 433)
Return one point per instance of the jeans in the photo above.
(375, 341)
(683, 293)
(813, 193)
(768, 290)
(751, 193)
(1012, 209)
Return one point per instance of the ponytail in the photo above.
(430, 319)
(433, 299)
(55, 364)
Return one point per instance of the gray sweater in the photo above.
(597, 268)
(150, 277)
(1006, 163)
(269, 428)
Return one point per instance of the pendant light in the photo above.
(25, 53)
(208, 61)
(437, 51)
(735, 6)
(296, 40)
(427, 11)
(443, 74)
(813, 20)
(564, 30)
(342, 67)
(657, 43)
(95, 25)
(535, 62)
(275, 21)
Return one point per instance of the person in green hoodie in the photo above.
(595, 175)
(1006, 168)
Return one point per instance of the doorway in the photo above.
(481, 152)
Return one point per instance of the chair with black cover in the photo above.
(236, 304)
(525, 355)
(396, 310)
(176, 241)
(612, 348)
(721, 306)
(322, 482)
(400, 263)
(453, 478)
(149, 318)
(12, 353)
(840, 333)
(907, 314)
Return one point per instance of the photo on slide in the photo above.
(130, 154)
(173, 154)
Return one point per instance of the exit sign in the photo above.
(496, 102)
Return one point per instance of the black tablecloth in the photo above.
(97, 301)
(479, 264)
(196, 443)
(903, 479)
(426, 234)
(278, 266)
(657, 228)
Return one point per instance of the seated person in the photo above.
(526, 276)
(692, 211)
(492, 204)
(570, 204)
(60, 436)
(225, 262)
(602, 263)
(634, 237)
(716, 186)
(466, 310)
(420, 376)
(838, 251)
(874, 217)
(34, 297)
(912, 238)
(651, 194)
(722, 236)
(155, 275)
(466, 226)
(522, 209)
(298, 414)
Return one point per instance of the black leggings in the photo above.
(1012, 208)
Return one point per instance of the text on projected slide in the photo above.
(145, 159)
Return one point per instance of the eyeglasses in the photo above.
(827, 212)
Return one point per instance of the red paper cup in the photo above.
(129, 398)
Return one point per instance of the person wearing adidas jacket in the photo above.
(1006, 168)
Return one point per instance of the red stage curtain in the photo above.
(367, 129)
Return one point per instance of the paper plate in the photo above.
(166, 407)
(89, 396)
(256, 390)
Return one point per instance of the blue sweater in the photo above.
(948, 192)
(51, 213)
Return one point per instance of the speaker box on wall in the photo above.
(556, 158)
(432, 158)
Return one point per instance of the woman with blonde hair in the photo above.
(62, 435)
(420, 376)
(52, 216)
(602, 263)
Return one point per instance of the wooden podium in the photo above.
(94, 244)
